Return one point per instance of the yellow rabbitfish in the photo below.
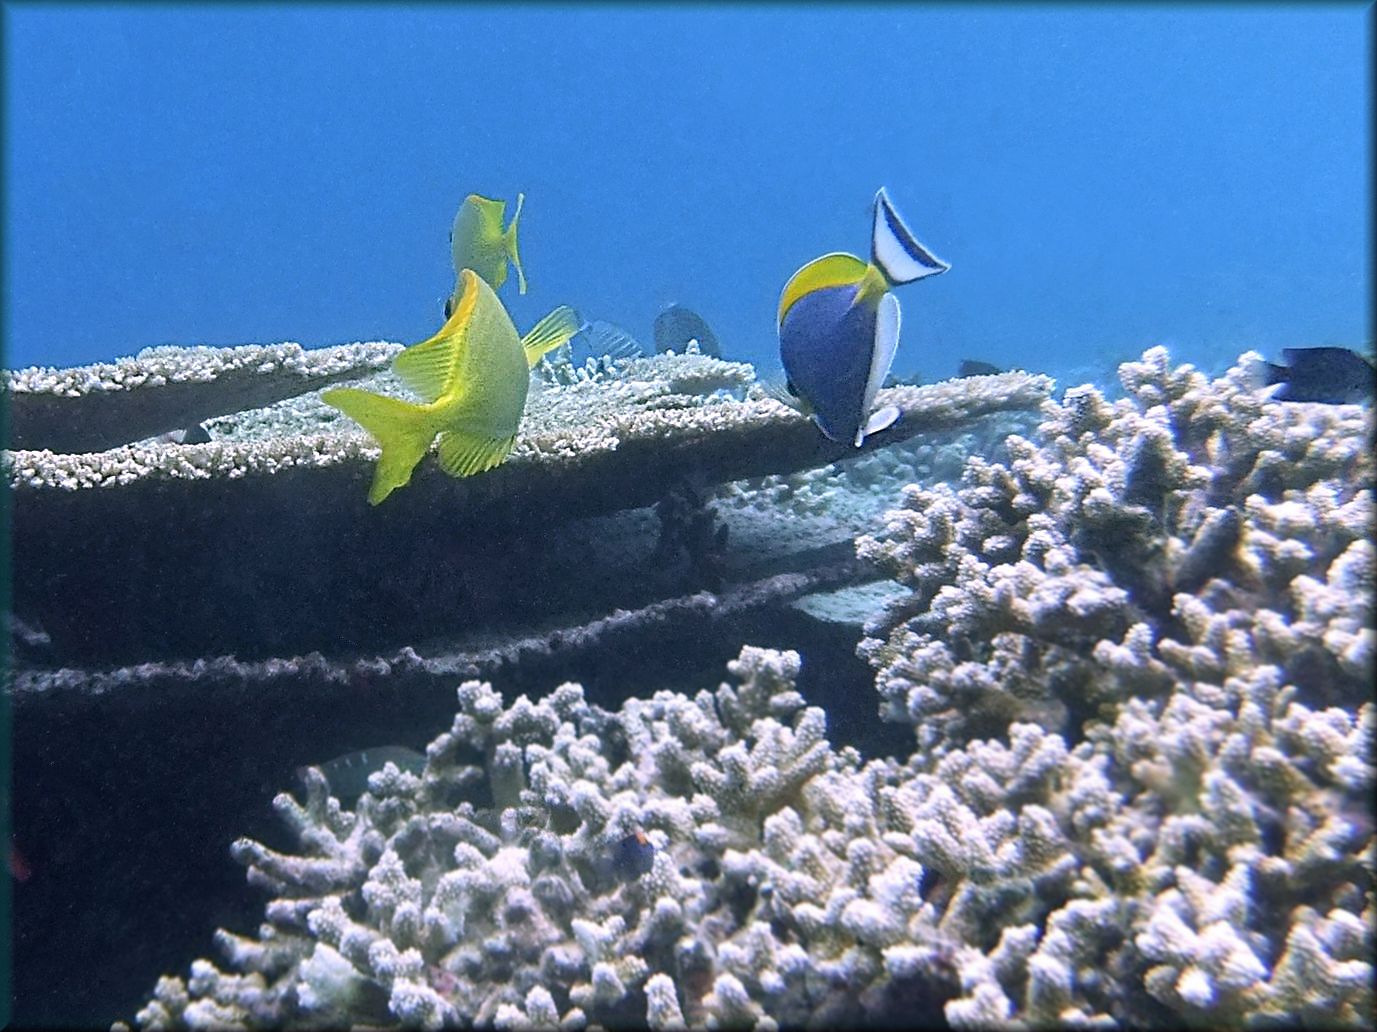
(477, 241)
(472, 377)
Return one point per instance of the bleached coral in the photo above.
(661, 403)
(1126, 879)
(1193, 524)
(1180, 583)
(95, 407)
(506, 885)
(1137, 657)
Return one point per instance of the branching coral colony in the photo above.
(1137, 660)
(1179, 585)
(770, 889)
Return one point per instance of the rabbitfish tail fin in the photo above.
(552, 331)
(895, 251)
(399, 427)
(509, 240)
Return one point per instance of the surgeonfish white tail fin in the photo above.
(894, 249)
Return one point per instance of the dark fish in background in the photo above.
(348, 774)
(677, 325)
(601, 339)
(1333, 376)
(974, 367)
(909, 379)
(632, 856)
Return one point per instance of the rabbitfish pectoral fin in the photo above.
(552, 331)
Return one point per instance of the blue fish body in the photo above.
(633, 856)
(1328, 375)
(839, 327)
(825, 345)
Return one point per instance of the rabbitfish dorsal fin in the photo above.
(831, 270)
(428, 368)
(509, 242)
(548, 334)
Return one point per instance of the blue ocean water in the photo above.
(1100, 179)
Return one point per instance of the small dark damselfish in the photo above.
(1333, 376)
(975, 367)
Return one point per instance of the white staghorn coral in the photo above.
(769, 894)
(1181, 582)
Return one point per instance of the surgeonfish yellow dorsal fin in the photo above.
(895, 251)
(831, 270)
(552, 331)
(872, 286)
(429, 367)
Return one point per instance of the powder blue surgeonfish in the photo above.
(839, 327)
